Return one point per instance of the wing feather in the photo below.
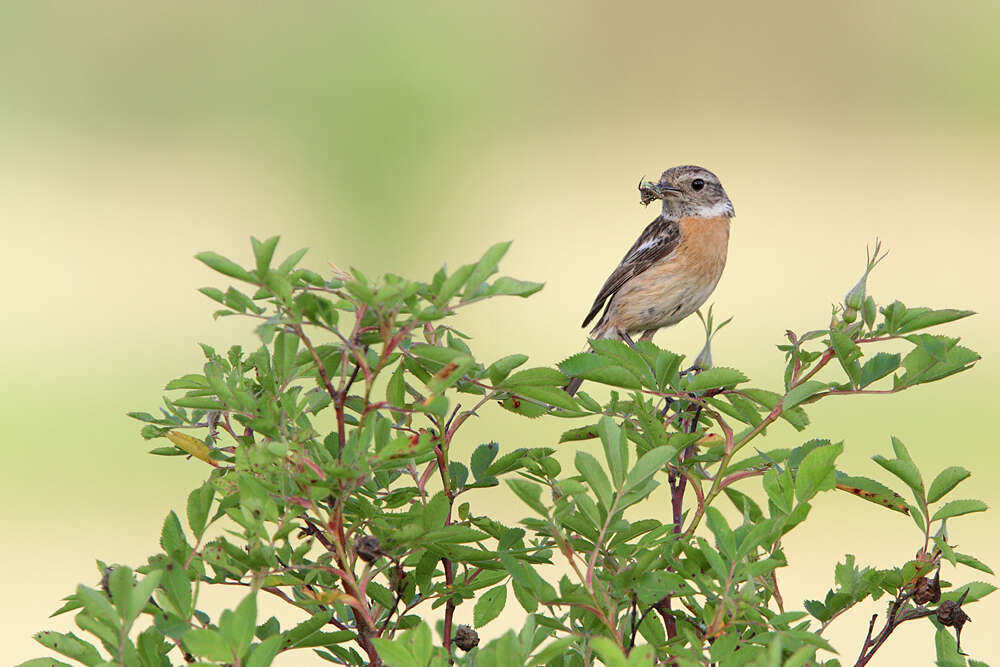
(660, 239)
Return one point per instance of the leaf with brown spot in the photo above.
(450, 373)
(872, 491)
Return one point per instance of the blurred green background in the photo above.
(397, 136)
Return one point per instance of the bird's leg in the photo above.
(648, 334)
(628, 339)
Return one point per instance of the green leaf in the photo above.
(769, 399)
(589, 366)
(594, 475)
(226, 266)
(713, 378)
(974, 563)
(263, 251)
(140, 594)
(776, 487)
(511, 287)
(285, 346)
(946, 649)
(615, 448)
(190, 381)
(198, 504)
(68, 645)
(293, 636)
(528, 492)
(723, 533)
(816, 473)
(612, 375)
(535, 377)
(904, 470)
(292, 260)
(263, 654)
(921, 318)
(900, 450)
(395, 391)
(484, 268)
(501, 368)
(237, 625)
(848, 353)
(802, 392)
(120, 580)
(98, 606)
(553, 396)
(921, 366)
(207, 644)
(877, 367)
(958, 508)
(452, 284)
(618, 353)
(482, 457)
(977, 591)
(394, 653)
(454, 533)
(489, 605)
(648, 465)
(579, 433)
(214, 294)
(608, 652)
(50, 662)
(178, 589)
(280, 286)
(551, 651)
(435, 512)
(199, 403)
(946, 480)
(172, 537)
(714, 559)
(747, 506)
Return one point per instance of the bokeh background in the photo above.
(398, 136)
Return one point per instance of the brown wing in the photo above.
(657, 241)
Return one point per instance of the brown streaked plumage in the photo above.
(673, 266)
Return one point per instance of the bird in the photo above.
(674, 265)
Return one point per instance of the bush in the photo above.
(334, 487)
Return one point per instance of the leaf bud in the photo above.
(855, 299)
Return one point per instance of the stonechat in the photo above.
(675, 264)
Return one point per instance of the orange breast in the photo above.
(674, 287)
(702, 251)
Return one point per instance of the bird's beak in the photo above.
(650, 191)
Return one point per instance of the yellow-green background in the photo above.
(397, 136)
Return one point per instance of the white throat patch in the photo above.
(720, 209)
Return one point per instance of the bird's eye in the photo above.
(697, 184)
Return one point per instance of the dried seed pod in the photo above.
(950, 613)
(368, 548)
(466, 638)
(927, 591)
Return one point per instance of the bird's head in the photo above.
(689, 191)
